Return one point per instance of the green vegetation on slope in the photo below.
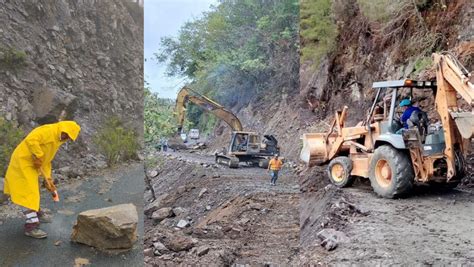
(318, 30)
(10, 137)
(160, 119)
(116, 141)
(12, 59)
(407, 28)
(234, 52)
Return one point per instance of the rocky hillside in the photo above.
(368, 49)
(83, 59)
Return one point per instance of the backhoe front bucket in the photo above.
(465, 123)
(315, 149)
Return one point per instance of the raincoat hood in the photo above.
(71, 128)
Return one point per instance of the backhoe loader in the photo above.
(244, 146)
(422, 153)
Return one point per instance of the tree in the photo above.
(234, 52)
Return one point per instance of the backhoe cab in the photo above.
(394, 158)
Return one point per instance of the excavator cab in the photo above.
(244, 142)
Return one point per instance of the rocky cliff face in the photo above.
(79, 58)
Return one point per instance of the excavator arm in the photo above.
(453, 78)
(186, 94)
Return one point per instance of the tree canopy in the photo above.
(234, 52)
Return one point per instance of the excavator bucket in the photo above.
(465, 123)
(315, 149)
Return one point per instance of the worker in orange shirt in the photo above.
(274, 167)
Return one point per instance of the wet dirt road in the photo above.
(431, 227)
(235, 215)
(123, 185)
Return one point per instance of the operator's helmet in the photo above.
(405, 102)
(276, 155)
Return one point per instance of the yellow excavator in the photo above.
(392, 157)
(247, 147)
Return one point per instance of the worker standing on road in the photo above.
(31, 158)
(274, 167)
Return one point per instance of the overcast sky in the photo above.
(165, 18)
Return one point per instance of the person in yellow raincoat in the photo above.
(31, 158)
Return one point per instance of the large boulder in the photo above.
(49, 103)
(107, 228)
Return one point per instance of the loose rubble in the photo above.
(221, 217)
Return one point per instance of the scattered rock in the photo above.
(208, 207)
(179, 211)
(153, 173)
(330, 238)
(161, 214)
(202, 192)
(166, 257)
(78, 262)
(101, 164)
(160, 249)
(155, 205)
(57, 243)
(182, 224)
(107, 228)
(255, 206)
(181, 189)
(201, 251)
(148, 252)
(178, 243)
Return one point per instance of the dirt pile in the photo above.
(83, 58)
(209, 214)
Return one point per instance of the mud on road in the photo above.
(429, 227)
(235, 216)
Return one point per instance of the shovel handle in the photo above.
(54, 194)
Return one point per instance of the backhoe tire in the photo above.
(390, 172)
(339, 172)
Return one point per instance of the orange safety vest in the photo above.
(275, 165)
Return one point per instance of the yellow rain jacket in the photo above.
(22, 178)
